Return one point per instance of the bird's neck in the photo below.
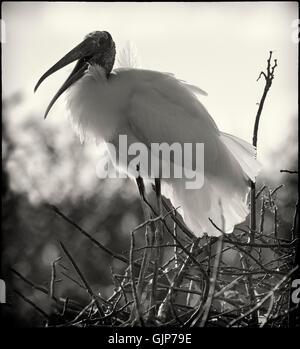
(98, 73)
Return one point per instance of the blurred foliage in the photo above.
(44, 163)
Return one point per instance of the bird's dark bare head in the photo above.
(106, 52)
(97, 47)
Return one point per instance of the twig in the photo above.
(268, 79)
(178, 222)
(262, 216)
(88, 288)
(53, 278)
(30, 283)
(260, 191)
(175, 245)
(73, 280)
(97, 243)
(157, 251)
(269, 76)
(289, 171)
(213, 279)
(27, 300)
(293, 229)
(134, 291)
(276, 189)
(46, 292)
(165, 305)
(261, 302)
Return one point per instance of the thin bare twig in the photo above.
(139, 317)
(27, 300)
(269, 76)
(53, 278)
(86, 284)
(82, 231)
(289, 171)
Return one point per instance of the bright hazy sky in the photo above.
(221, 47)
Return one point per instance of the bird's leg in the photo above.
(157, 250)
(148, 238)
(159, 205)
(159, 232)
(146, 207)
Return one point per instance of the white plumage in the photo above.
(153, 107)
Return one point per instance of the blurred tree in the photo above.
(44, 165)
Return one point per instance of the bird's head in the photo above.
(97, 47)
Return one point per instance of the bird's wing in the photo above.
(158, 108)
(163, 109)
(193, 89)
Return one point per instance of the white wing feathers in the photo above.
(154, 107)
(163, 109)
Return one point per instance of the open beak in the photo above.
(82, 53)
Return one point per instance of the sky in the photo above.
(220, 47)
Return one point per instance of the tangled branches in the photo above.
(201, 282)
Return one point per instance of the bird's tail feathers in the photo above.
(208, 209)
(217, 202)
(244, 153)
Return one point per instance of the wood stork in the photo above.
(150, 106)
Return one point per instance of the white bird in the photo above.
(155, 107)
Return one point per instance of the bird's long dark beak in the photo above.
(81, 53)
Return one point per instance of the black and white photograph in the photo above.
(149, 168)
